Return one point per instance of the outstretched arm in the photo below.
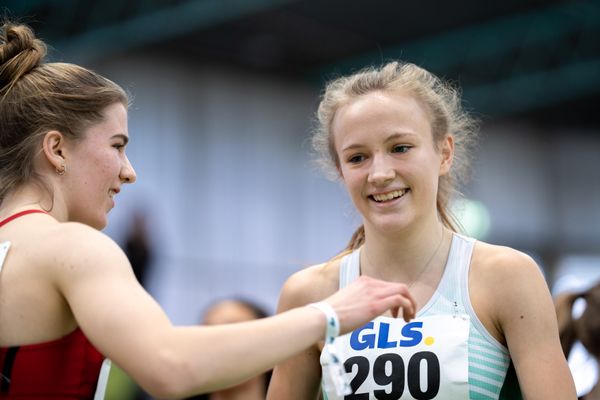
(130, 328)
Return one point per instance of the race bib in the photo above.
(426, 358)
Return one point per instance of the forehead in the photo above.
(380, 112)
(114, 122)
(227, 312)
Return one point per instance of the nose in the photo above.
(127, 174)
(381, 171)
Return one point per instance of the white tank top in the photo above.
(444, 353)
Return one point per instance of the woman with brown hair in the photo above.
(68, 296)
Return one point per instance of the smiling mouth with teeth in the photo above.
(388, 196)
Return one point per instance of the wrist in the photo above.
(335, 380)
(332, 322)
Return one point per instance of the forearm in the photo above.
(202, 359)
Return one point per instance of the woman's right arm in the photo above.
(129, 327)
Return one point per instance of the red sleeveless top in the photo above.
(66, 368)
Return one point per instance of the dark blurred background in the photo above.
(537, 60)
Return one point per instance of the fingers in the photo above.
(400, 297)
(409, 313)
(394, 303)
(367, 298)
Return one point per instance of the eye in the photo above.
(356, 158)
(400, 148)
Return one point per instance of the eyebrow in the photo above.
(121, 136)
(393, 136)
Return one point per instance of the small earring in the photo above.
(62, 171)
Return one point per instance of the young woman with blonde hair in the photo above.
(397, 138)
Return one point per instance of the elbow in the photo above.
(171, 377)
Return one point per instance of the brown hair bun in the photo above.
(20, 52)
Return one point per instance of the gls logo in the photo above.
(386, 375)
(410, 336)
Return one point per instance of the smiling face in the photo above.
(387, 159)
(97, 166)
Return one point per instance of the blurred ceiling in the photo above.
(536, 60)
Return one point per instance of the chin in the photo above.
(392, 229)
(97, 223)
(390, 225)
(101, 224)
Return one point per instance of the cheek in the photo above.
(349, 177)
(107, 164)
(355, 187)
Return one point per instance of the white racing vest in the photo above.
(445, 353)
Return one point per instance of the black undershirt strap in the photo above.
(9, 360)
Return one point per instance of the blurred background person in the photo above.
(580, 328)
(230, 311)
(137, 247)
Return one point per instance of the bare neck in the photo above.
(31, 196)
(404, 256)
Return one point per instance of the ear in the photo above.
(53, 146)
(447, 154)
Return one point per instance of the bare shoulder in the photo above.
(76, 248)
(502, 266)
(505, 284)
(310, 285)
(41, 240)
(86, 237)
(48, 263)
(511, 297)
(73, 240)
